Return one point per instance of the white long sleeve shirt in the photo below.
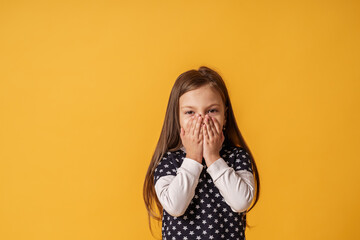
(201, 202)
(185, 187)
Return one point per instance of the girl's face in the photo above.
(204, 100)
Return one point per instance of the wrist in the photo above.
(196, 158)
(211, 159)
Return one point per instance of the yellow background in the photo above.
(83, 92)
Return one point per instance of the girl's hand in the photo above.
(192, 138)
(213, 140)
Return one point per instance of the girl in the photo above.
(201, 176)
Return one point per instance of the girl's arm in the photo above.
(237, 187)
(175, 192)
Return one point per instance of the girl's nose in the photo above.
(202, 115)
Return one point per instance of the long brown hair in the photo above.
(170, 140)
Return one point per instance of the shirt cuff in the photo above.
(192, 166)
(217, 168)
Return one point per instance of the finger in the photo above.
(197, 125)
(209, 128)
(212, 127)
(216, 125)
(193, 124)
(205, 132)
(208, 131)
(201, 131)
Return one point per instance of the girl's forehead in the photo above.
(202, 94)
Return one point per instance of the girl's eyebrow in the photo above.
(208, 106)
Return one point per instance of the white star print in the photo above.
(208, 215)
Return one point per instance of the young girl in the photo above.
(201, 176)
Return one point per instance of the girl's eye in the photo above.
(215, 110)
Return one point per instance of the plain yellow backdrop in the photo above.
(84, 87)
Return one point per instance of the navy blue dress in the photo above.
(208, 216)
